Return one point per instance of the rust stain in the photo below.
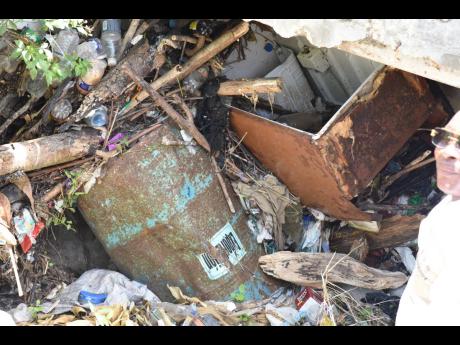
(326, 171)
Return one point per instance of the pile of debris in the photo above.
(331, 216)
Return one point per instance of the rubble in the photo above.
(215, 171)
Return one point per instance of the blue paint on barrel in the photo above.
(190, 189)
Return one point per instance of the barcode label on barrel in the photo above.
(213, 268)
(227, 240)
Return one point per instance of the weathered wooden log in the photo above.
(201, 57)
(306, 269)
(114, 83)
(240, 87)
(394, 231)
(47, 151)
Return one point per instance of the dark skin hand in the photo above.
(448, 163)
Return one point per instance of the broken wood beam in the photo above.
(114, 83)
(256, 86)
(185, 124)
(308, 269)
(394, 231)
(200, 58)
(47, 151)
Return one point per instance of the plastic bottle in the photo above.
(37, 87)
(97, 117)
(91, 49)
(61, 110)
(111, 39)
(94, 75)
(66, 42)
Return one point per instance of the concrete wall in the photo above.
(427, 47)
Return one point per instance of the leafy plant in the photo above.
(37, 55)
(67, 203)
(245, 318)
(35, 309)
(238, 296)
(123, 145)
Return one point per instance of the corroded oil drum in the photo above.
(162, 217)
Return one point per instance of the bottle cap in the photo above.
(111, 61)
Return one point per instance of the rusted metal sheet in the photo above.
(328, 169)
(161, 215)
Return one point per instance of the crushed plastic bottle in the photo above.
(66, 42)
(111, 39)
(94, 75)
(91, 49)
(97, 117)
(37, 87)
(61, 110)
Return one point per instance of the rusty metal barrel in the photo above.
(162, 217)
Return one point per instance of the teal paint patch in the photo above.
(190, 189)
(254, 289)
(122, 235)
(144, 163)
(155, 153)
(151, 222)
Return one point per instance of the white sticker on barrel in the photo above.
(213, 268)
(227, 239)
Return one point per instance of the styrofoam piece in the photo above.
(257, 62)
(329, 87)
(314, 59)
(296, 94)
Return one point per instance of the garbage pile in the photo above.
(159, 106)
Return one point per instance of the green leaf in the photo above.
(20, 44)
(16, 53)
(33, 73)
(49, 77)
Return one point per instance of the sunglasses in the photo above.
(441, 138)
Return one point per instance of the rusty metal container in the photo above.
(161, 215)
(329, 168)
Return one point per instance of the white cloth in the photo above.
(432, 294)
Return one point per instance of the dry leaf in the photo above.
(5, 209)
(23, 183)
(63, 319)
(181, 298)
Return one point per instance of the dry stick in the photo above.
(15, 269)
(138, 113)
(184, 107)
(144, 132)
(54, 192)
(255, 86)
(199, 44)
(161, 102)
(200, 58)
(16, 115)
(222, 185)
(407, 170)
(128, 36)
(111, 122)
(188, 39)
